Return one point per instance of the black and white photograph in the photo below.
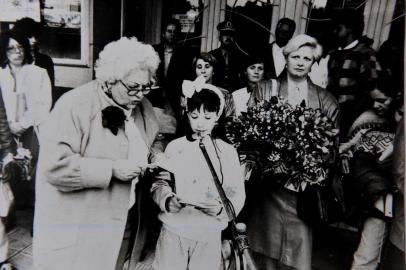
(202, 135)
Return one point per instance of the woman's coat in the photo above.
(81, 211)
(273, 227)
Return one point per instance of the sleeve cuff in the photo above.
(162, 203)
(96, 173)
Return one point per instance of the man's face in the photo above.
(341, 33)
(170, 33)
(283, 34)
(226, 39)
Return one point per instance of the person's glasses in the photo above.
(137, 88)
(15, 49)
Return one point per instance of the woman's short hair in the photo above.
(300, 41)
(207, 57)
(21, 39)
(118, 58)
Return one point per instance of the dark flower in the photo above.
(274, 100)
(113, 118)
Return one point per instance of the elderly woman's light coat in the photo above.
(81, 210)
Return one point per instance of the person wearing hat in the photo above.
(274, 58)
(230, 58)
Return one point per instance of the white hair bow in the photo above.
(189, 87)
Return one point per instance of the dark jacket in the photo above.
(269, 62)
(229, 76)
(370, 178)
(7, 144)
(172, 82)
(45, 62)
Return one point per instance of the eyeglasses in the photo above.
(137, 88)
(15, 49)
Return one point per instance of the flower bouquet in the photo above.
(19, 164)
(294, 143)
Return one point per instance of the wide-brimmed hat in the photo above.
(226, 26)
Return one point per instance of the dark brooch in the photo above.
(113, 118)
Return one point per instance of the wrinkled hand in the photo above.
(125, 170)
(173, 204)
(16, 128)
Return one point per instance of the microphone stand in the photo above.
(239, 237)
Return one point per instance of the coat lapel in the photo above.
(312, 94)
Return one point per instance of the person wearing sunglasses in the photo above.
(97, 145)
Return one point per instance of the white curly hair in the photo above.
(120, 57)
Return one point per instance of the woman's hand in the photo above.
(125, 170)
(16, 128)
(173, 204)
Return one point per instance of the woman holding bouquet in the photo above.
(279, 239)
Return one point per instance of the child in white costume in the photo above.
(192, 214)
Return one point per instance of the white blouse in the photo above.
(28, 97)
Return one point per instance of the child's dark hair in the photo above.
(206, 98)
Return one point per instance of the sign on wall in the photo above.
(186, 21)
(12, 10)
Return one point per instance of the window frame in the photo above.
(84, 60)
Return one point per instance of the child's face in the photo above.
(202, 122)
(380, 102)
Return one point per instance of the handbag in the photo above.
(6, 198)
(322, 204)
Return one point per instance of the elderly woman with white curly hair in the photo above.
(96, 145)
(278, 237)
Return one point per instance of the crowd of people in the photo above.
(116, 164)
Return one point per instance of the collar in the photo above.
(350, 46)
(107, 101)
(301, 85)
(276, 47)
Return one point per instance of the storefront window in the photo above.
(66, 26)
(66, 33)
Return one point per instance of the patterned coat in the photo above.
(351, 75)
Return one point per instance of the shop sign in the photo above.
(13, 10)
(186, 22)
